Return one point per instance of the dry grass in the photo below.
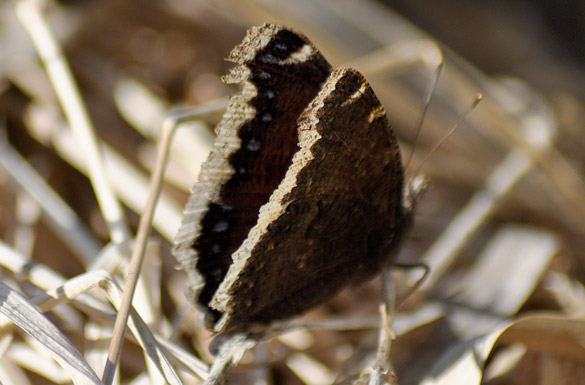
(501, 224)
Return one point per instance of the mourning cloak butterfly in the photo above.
(302, 193)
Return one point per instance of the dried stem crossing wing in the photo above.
(302, 194)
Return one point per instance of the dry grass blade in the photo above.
(230, 353)
(73, 106)
(380, 373)
(75, 289)
(498, 184)
(129, 184)
(100, 279)
(517, 257)
(66, 223)
(168, 130)
(18, 309)
(540, 333)
(138, 253)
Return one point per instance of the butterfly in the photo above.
(302, 194)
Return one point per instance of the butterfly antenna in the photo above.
(476, 101)
(425, 108)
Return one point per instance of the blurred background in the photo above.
(502, 222)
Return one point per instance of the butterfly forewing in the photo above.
(281, 72)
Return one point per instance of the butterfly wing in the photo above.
(280, 72)
(334, 218)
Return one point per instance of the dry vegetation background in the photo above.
(502, 223)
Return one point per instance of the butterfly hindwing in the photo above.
(332, 220)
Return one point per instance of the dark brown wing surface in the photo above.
(333, 220)
(280, 72)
